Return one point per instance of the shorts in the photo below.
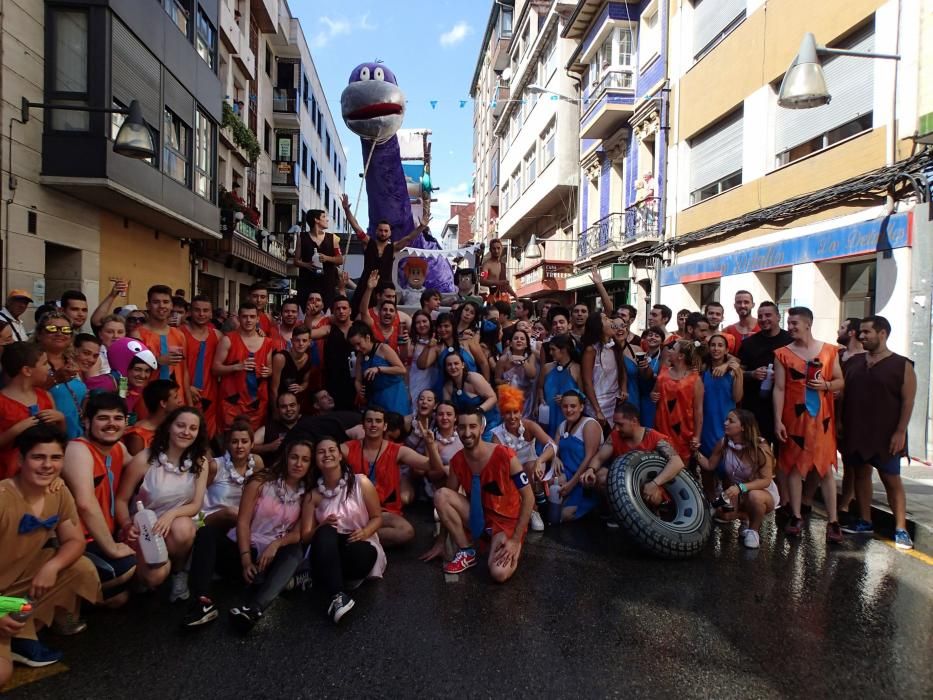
(891, 466)
(109, 569)
(495, 524)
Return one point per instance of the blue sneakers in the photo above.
(902, 540)
(33, 653)
(857, 526)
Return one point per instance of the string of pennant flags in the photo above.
(492, 103)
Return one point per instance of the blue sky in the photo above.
(432, 47)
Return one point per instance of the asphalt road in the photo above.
(585, 616)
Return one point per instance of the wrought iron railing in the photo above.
(611, 80)
(285, 100)
(639, 221)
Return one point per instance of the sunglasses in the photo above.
(135, 319)
(53, 329)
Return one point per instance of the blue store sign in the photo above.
(872, 236)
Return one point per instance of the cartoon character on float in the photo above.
(373, 107)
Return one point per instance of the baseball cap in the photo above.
(19, 294)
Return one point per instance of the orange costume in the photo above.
(267, 325)
(734, 332)
(384, 473)
(144, 434)
(392, 339)
(107, 472)
(160, 344)
(649, 442)
(675, 417)
(502, 501)
(245, 393)
(199, 355)
(811, 440)
(316, 357)
(11, 413)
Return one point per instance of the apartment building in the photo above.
(77, 214)
(279, 154)
(620, 60)
(753, 201)
(538, 151)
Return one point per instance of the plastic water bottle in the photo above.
(124, 387)
(555, 506)
(151, 545)
(767, 384)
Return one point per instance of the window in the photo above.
(327, 141)
(531, 165)
(783, 296)
(268, 61)
(69, 68)
(313, 111)
(203, 155)
(318, 184)
(800, 132)
(505, 22)
(712, 21)
(550, 60)
(206, 39)
(716, 159)
(525, 42)
(267, 137)
(311, 169)
(709, 293)
(175, 151)
(548, 143)
(320, 123)
(326, 197)
(858, 289)
(304, 158)
(179, 12)
(516, 182)
(505, 198)
(649, 35)
(306, 88)
(612, 66)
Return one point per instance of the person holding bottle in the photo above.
(578, 439)
(722, 391)
(559, 376)
(678, 394)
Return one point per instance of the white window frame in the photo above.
(174, 152)
(530, 166)
(716, 158)
(548, 143)
(714, 22)
(204, 155)
(649, 34)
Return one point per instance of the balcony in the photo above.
(265, 13)
(245, 59)
(245, 248)
(500, 97)
(230, 33)
(285, 178)
(636, 227)
(608, 105)
(543, 278)
(285, 104)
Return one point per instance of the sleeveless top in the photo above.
(372, 260)
(144, 434)
(106, 474)
(675, 417)
(159, 345)
(419, 379)
(276, 512)
(717, 402)
(500, 495)
(199, 354)
(649, 442)
(384, 472)
(291, 374)
(524, 449)
(166, 486)
(872, 405)
(605, 381)
(352, 515)
(392, 338)
(227, 487)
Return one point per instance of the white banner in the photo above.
(449, 254)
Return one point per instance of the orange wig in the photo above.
(511, 398)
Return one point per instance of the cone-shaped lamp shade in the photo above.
(804, 85)
(532, 250)
(134, 139)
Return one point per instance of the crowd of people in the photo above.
(285, 449)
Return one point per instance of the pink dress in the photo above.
(352, 514)
(276, 512)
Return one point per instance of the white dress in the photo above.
(605, 381)
(524, 449)
(226, 489)
(165, 486)
(515, 376)
(420, 379)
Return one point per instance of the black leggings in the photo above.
(215, 552)
(334, 560)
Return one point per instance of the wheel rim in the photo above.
(684, 512)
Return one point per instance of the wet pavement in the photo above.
(585, 616)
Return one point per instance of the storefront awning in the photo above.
(616, 272)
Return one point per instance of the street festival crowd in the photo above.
(282, 449)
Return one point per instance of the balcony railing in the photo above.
(285, 100)
(638, 222)
(611, 80)
(284, 173)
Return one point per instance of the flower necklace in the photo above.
(445, 440)
(330, 493)
(516, 442)
(170, 467)
(285, 494)
(235, 476)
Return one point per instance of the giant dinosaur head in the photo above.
(373, 105)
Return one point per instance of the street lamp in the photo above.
(133, 140)
(533, 249)
(804, 85)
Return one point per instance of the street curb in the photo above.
(883, 520)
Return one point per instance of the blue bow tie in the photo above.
(30, 522)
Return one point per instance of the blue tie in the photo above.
(477, 517)
(110, 483)
(30, 522)
(199, 365)
(165, 371)
(252, 381)
(812, 401)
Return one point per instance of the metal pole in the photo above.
(920, 429)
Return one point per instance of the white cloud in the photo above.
(456, 34)
(340, 26)
(440, 210)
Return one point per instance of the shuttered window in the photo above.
(850, 82)
(716, 158)
(136, 73)
(712, 20)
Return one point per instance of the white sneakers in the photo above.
(752, 540)
(179, 587)
(536, 524)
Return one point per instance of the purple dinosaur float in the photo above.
(373, 107)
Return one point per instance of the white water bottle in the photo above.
(151, 544)
(767, 384)
(555, 508)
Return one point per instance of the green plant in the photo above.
(242, 136)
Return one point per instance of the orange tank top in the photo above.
(384, 473)
(500, 495)
(675, 416)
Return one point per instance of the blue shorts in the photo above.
(109, 569)
(891, 466)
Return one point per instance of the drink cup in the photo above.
(814, 370)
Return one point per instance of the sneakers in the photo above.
(793, 527)
(833, 532)
(537, 522)
(179, 587)
(69, 625)
(245, 618)
(902, 540)
(751, 540)
(340, 605)
(300, 581)
(743, 528)
(33, 653)
(200, 613)
(857, 526)
(463, 560)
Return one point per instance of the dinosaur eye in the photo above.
(364, 73)
(379, 74)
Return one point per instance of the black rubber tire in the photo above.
(687, 527)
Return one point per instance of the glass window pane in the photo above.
(70, 51)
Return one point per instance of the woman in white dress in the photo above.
(422, 331)
(518, 367)
(603, 370)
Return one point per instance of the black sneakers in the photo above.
(245, 618)
(200, 612)
(340, 605)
